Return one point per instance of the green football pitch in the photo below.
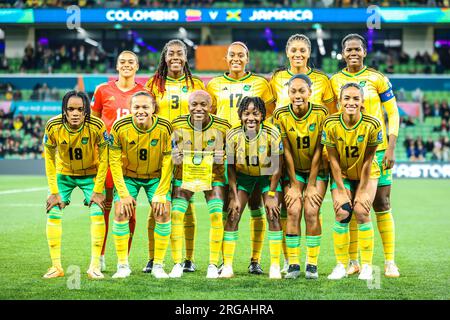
(421, 211)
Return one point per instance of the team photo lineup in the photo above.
(276, 146)
(257, 152)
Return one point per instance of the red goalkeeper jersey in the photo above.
(111, 102)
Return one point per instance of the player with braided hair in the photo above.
(172, 84)
(76, 155)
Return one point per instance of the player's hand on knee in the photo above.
(234, 209)
(340, 199)
(98, 199)
(158, 208)
(272, 208)
(364, 200)
(127, 205)
(292, 195)
(313, 196)
(54, 200)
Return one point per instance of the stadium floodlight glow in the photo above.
(319, 34)
(393, 43)
(183, 32)
(339, 56)
(2, 34)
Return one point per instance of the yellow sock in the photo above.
(121, 234)
(293, 248)
(353, 247)
(190, 230)
(229, 245)
(54, 233)
(275, 239)
(215, 207)
(341, 239)
(151, 235)
(283, 222)
(179, 207)
(98, 229)
(162, 237)
(386, 227)
(313, 249)
(257, 232)
(365, 236)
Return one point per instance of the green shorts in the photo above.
(66, 184)
(385, 175)
(135, 184)
(348, 184)
(303, 177)
(247, 183)
(178, 183)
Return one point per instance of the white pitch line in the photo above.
(22, 190)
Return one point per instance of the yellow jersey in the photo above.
(211, 138)
(377, 91)
(81, 152)
(227, 93)
(174, 101)
(351, 143)
(322, 92)
(136, 153)
(258, 156)
(302, 133)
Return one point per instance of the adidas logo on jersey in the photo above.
(132, 142)
(64, 142)
(292, 129)
(224, 89)
(189, 142)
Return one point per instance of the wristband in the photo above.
(271, 193)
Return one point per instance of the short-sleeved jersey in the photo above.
(211, 138)
(258, 156)
(321, 87)
(76, 151)
(302, 133)
(111, 102)
(351, 143)
(142, 151)
(174, 101)
(228, 92)
(377, 89)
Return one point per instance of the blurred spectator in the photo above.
(418, 59)
(28, 61)
(403, 58)
(406, 122)
(419, 150)
(400, 95)
(417, 95)
(436, 110)
(426, 110)
(429, 144)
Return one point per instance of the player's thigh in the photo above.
(382, 200)
(255, 200)
(86, 184)
(178, 192)
(217, 192)
(66, 184)
(273, 220)
(233, 221)
(312, 212)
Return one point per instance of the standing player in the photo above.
(377, 94)
(298, 52)
(228, 91)
(111, 101)
(351, 138)
(301, 124)
(254, 155)
(172, 84)
(140, 157)
(199, 131)
(76, 155)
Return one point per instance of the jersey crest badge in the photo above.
(184, 89)
(247, 87)
(312, 127)
(360, 138)
(154, 142)
(84, 140)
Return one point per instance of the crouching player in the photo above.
(76, 155)
(301, 124)
(202, 136)
(254, 155)
(351, 138)
(140, 157)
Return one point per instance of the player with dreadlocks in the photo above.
(111, 102)
(76, 155)
(172, 84)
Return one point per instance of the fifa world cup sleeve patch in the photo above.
(105, 136)
(380, 136)
(45, 138)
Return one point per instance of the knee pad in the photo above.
(346, 207)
